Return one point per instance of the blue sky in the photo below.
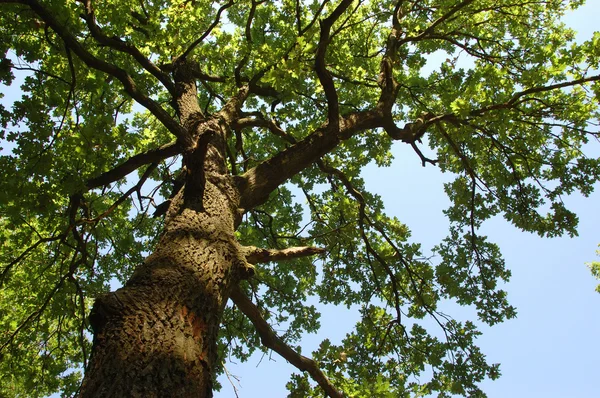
(551, 349)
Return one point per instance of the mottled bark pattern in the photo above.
(157, 336)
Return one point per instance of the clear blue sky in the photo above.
(552, 348)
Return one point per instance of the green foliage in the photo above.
(595, 268)
(511, 128)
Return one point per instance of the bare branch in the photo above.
(229, 376)
(255, 255)
(270, 340)
(132, 164)
(424, 159)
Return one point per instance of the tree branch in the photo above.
(257, 183)
(269, 124)
(438, 21)
(270, 340)
(315, 18)
(207, 32)
(550, 87)
(25, 253)
(255, 255)
(136, 188)
(333, 107)
(96, 63)
(231, 110)
(387, 82)
(119, 45)
(133, 163)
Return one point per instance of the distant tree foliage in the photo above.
(595, 268)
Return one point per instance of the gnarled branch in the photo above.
(270, 340)
(333, 106)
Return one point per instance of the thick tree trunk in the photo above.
(157, 336)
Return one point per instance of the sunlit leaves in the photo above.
(490, 71)
(470, 271)
(595, 268)
(385, 359)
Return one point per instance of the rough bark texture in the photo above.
(157, 336)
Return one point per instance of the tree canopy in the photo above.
(309, 93)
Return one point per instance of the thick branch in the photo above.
(265, 91)
(325, 78)
(103, 66)
(119, 45)
(185, 97)
(198, 74)
(270, 340)
(132, 164)
(232, 109)
(387, 82)
(255, 255)
(269, 124)
(257, 183)
(195, 70)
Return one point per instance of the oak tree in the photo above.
(208, 156)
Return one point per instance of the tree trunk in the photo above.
(157, 336)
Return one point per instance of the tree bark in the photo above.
(157, 336)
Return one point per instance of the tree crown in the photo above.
(496, 92)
